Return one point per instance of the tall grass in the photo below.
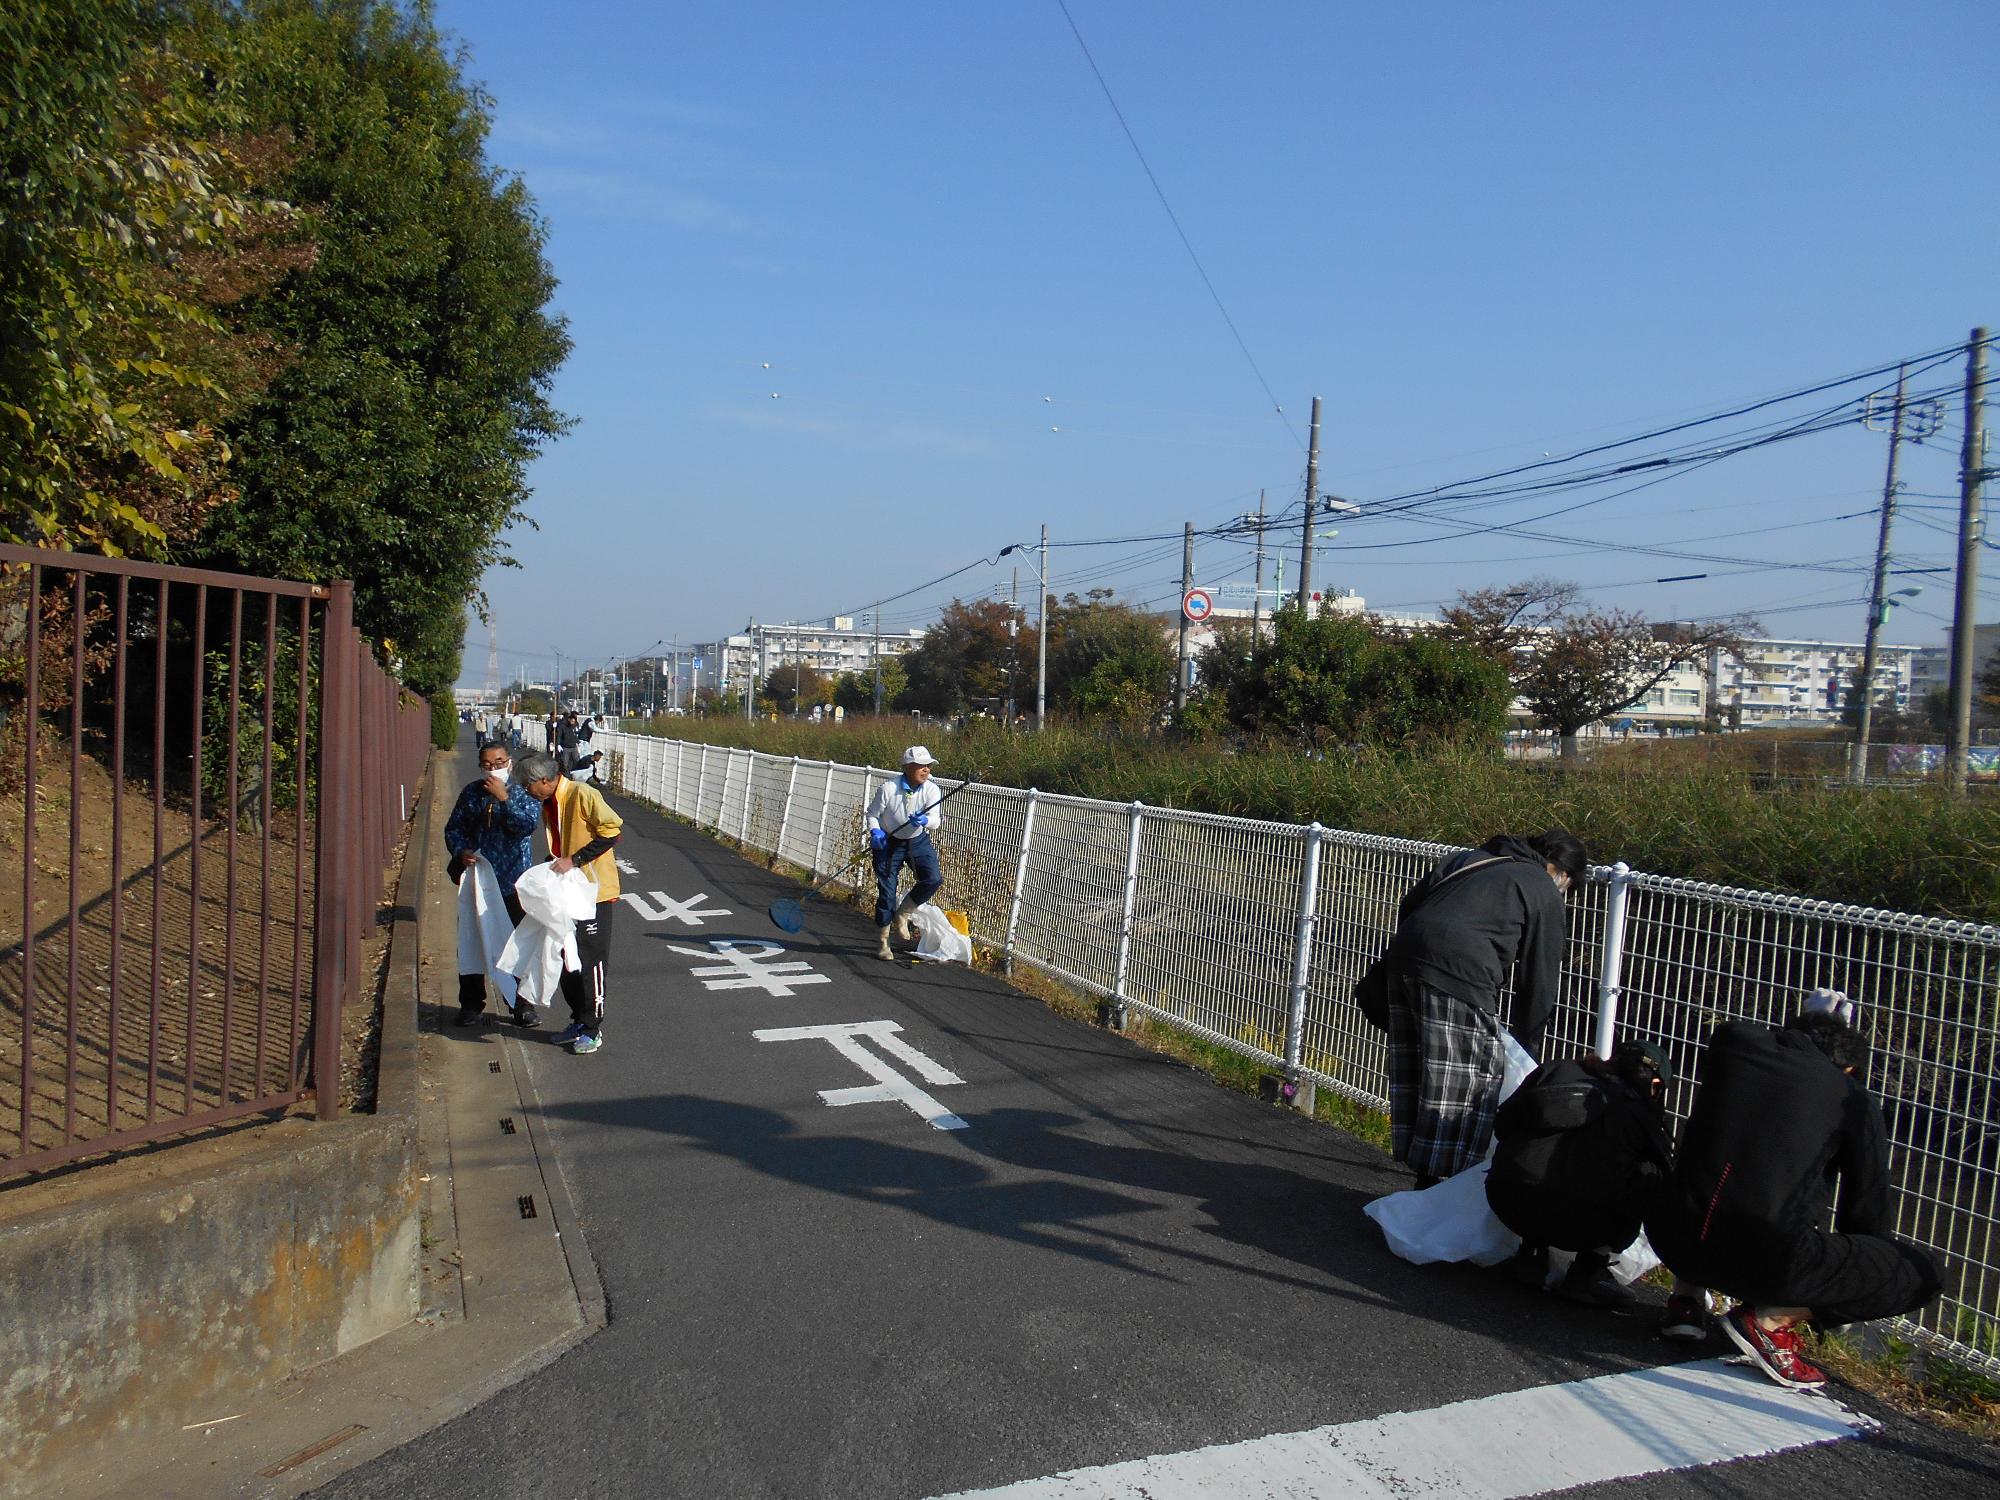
(1907, 849)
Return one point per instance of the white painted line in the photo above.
(749, 965)
(890, 1087)
(663, 908)
(1551, 1437)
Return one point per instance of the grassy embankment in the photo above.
(1905, 849)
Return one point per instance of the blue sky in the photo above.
(862, 293)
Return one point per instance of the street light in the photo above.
(1042, 628)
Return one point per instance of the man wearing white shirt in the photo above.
(902, 816)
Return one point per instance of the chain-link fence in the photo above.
(1251, 934)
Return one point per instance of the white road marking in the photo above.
(890, 1087)
(625, 866)
(1551, 1437)
(748, 965)
(670, 910)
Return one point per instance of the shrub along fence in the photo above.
(1251, 934)
(206, 774)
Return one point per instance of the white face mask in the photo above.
(499, 773)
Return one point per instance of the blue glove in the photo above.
(878, 839)
(922, 820)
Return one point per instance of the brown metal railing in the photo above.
(202, 776)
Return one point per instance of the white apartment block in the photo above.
(1803, 682)
(829, 647)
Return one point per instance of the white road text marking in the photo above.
(749, 965)
(670, 910)
(890, 1087)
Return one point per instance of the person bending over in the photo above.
(901, 818)
(583, 834)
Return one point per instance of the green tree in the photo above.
(392, 448)
(855, 691)
(796, 689)
(1109, 661)
(131, 218)
(966, 655)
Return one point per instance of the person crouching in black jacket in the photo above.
(1780, 1115)
(1582, 1147)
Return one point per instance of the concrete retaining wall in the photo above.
(171, 1288)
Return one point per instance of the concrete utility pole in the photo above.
(1877, 605)
(1971, 529)
(1013, 648)
(1187, 582)
(1042, 641)
(1257, 598)
(1312, 504)
(878, 661)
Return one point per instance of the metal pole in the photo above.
(1187, 583)
(1138, 815)
(878, 661)
(1611, 970)
(1302, 944)
(819, 839)
(1312, 504)
(1971, 531)
(1257, 598)
(1877, 605)
(1042, 643)
(1014, 649)
(1020, 883)
(785, 812)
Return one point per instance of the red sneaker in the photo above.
(1775, 1351)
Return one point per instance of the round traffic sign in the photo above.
(1197, 605)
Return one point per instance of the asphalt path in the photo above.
(1113, 1259)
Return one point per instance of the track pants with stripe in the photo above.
(584, 988)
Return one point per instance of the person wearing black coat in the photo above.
(1782, 1113)
(1458, 931)
(1581, 1147)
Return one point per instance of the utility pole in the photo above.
(1877, 605)
(1042, 638)
(1312, 504)
(878, 661)
(1257, 598)
(1014, 649)
(1971, 528)
(1187, 582)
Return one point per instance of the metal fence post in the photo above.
(1612, 969)
(785, 812)
(819, 839)
(1138, 815)
(333, 838)
(743, 814)
(1020, 882)
(701, 790)
(1302, 946)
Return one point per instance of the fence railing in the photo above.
(1251, 934)
(205, 774)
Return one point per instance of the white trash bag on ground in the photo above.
(1451, 1221)
(938, 941)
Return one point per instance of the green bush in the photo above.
(444, 721)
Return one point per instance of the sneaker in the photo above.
(1775, 1351)
(1685, 1320)
(569, 1033)
(1596, 1287)
(585, 1044)
(526, 1017)
(470, 1018)
(1530, 1266)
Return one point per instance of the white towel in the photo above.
(483, 927)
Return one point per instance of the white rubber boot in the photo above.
(882, 948)
(903, 914)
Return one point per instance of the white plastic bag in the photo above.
(1450, 1220)
(938, 941)
(483, 928)
(543, 947)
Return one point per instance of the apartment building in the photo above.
(829, 647)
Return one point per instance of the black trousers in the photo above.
(584, 989)
(1843, 1278)
(472, 987)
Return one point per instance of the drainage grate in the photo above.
(528, 1206)
(507, 1125)
(493, 1067)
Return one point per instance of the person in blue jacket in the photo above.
(494, 821)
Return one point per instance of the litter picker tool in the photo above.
(789, 912)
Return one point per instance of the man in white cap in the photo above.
(902, 816)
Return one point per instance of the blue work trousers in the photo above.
(922, 859)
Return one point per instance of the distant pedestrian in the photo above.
(901, 818)
(589, 767)
(566, 742)
(1580, 1148)
(583, 833)
(1459, 930)
(1780, 1115)
(492, 821)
